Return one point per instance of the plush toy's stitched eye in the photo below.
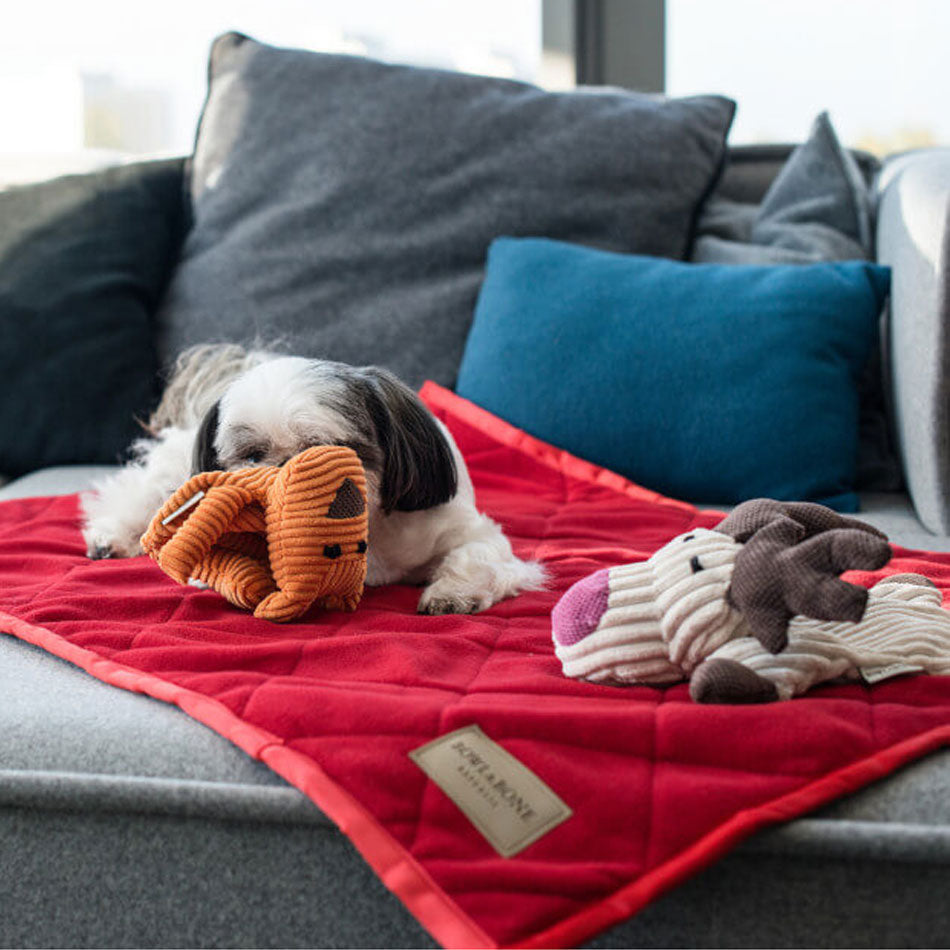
(689, 537)
(694, 564)
(332, 551)
(360, 547)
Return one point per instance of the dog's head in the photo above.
(287, 404)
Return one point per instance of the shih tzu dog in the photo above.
(227, 407)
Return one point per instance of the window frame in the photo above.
(620, 43)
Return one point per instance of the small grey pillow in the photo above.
(818, 208)
(347, 205)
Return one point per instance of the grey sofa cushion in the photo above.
(347, 205)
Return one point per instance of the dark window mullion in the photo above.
(620, 43)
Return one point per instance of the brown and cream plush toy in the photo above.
(753, 610)
(275, 540)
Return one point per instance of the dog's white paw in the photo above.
(104, 539)
(99, 547)
(447, 597)
(478, 574)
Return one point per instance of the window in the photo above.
(879, 67)
(86, 84)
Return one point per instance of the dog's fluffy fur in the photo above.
(226, 407)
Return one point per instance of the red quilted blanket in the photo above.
(658, 786)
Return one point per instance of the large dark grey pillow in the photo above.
(347, 205)
(83, 262)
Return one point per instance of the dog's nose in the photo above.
(578, 612)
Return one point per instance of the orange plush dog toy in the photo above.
(272, 540)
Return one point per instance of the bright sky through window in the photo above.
(879, 66)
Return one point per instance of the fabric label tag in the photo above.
(875, 674)
(502, 798)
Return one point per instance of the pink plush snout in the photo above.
(577, 614)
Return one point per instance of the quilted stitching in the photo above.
(648, 774)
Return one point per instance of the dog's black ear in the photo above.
(205, 457)
(418, 470)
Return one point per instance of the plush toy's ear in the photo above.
(348, 502)
(418, 467)
(204, 456)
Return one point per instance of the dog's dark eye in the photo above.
(360, 547)
(695, 565)
(689, 537)
(251, 453)
(332, 551)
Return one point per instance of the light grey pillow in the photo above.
(818, 208)
(347, 205)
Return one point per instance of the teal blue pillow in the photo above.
(706, 382)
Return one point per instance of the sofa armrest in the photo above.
(913, 238)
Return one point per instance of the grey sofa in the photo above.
(125, 823)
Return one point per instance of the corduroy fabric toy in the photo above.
(754, 610)
(275, 540)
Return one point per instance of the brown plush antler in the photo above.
(793, 554)
(747, 518)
